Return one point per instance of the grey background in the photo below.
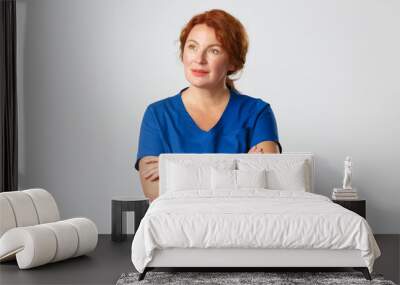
(87, 70)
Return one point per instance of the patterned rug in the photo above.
(270, 278)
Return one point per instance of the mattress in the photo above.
(250, 219)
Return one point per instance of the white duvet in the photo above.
(251, 218)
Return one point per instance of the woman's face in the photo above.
(205, 62)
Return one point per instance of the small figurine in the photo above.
(347, 173)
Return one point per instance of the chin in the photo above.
(199, 82)
(200, 85)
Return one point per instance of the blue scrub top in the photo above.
(167, 127)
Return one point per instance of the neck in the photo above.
(206, 97)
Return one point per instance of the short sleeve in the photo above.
(265, 128)
(150, 139)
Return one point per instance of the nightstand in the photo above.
(120, 205)
(357, 206)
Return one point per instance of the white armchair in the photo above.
(31, 231)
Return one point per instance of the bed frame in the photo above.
(248, 259)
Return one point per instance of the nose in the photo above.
(201, 57)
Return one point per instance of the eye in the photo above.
(215, 51)
(191, 46)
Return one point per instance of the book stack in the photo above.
(344, 194)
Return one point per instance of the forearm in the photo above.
(150, 188)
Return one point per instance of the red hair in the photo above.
(229, 32)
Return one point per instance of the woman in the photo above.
(209, 116)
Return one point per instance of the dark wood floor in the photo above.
(111, 259)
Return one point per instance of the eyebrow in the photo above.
(190, 40)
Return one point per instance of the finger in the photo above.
(255, 149)
(153, 160)
(150, 158)
(258, 151)
(153, 177)
(151, 173)
(147, 172)
(149, 168)
(252, 149)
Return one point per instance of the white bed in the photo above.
(288, 226)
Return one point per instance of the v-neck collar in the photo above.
(193, 123)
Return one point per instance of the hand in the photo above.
(256, 149)
(150, 171)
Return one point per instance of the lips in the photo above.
(199, 72)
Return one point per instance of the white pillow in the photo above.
(251, 178)
(223, 179)
(187, 174)
(281, 174)
(187, 177)
(292, 178)
(227, 179)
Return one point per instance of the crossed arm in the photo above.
(148, 168)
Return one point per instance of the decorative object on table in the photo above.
(32, 233)
(120, 205)
(347, 192)
(171, 278)
(347, 173)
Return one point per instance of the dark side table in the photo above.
(357, 206)
(119, 206)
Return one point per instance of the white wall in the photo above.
(87, 70)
